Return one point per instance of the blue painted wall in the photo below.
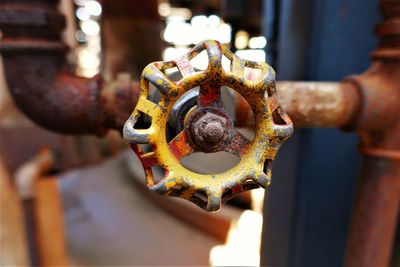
(308, 206)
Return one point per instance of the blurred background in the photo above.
(81, 200)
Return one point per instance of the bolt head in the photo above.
(209, 129)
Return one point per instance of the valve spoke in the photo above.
(184, 66)
(238, 145)
(209, 95)
(147, 159)
(238, 67)
(180, 146)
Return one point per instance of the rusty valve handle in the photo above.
(208, 127)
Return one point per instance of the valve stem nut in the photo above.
(209, 130)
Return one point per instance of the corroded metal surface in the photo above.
(318, 104)
(38, 77)
(388, 30)
(377, 204)
(209, 129)
(254, 169)
(375, 214)
(78, 105)
(310, 104)
(86, 109)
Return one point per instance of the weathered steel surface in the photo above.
(38, 77)
(77, 105)
(207, 123)
(310, 104)
(209, 129)
(62, 102)
(16, 15)
(375, 214)
(376, 210)
(389, 30)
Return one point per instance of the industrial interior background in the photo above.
(100, 215)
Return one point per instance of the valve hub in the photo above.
(209, 130)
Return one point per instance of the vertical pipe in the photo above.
(376, 209)
(375, 213)
(13, 237)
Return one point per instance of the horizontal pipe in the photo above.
(69, 104)
(310, 104)
(54, 100)
(65, 103)
(35, 69)
(318, 104)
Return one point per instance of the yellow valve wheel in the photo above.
(208, 127)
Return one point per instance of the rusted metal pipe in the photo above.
(376, 210)
(311, 104)
(39, 79)
(375, 213)
(318, 104)
(42, 88)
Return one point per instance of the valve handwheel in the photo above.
(208, 127)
